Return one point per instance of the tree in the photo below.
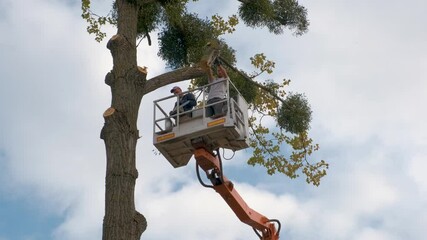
(182, 39)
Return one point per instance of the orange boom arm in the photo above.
(264, 227)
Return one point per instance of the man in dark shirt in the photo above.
(186, 101)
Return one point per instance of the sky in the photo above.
(362, 65)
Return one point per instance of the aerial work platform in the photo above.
(175, 135)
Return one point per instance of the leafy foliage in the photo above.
(245, 87)
(285, 149)
(260, 61)
(295, 114)
(149, 19)
(184, 43)
(267, 152)
(220, 26)
(95, 22)
(256, 13)
(275, 15)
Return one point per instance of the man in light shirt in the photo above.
(217, 91)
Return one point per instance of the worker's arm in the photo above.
(188, 102)
(191, 100)
(210, 75)
(223, 71)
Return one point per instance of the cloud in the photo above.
(50, 96)
(363, 75)
(416, 170)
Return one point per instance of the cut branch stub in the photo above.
(143, 69)
(140, 224)
(109, 79)
(123, 52)
(111, 44)
(142, 74)
(110, 111)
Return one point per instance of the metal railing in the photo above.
(161, 115)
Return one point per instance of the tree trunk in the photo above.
(128, 84)
(120, 133)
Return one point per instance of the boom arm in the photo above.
(213, 168)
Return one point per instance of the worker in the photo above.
(217, 91)
(185, 102)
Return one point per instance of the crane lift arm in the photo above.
(263, 227)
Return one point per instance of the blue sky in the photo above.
(362, 65)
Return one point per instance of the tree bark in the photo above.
(128, 84)
(120, 133)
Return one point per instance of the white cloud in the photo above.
(84, 218)
(363, 74)
(373, 234)
(416, 170)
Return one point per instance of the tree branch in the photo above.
(252, 81)
(173, 77)
(262, 143)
